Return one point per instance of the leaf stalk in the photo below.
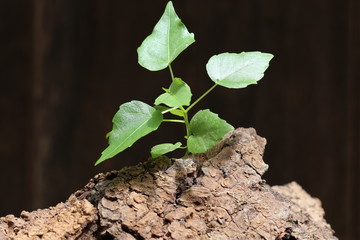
(169, 110)
(171, 72)
(201, 97)
(174, 120)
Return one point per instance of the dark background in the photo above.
(66, 66)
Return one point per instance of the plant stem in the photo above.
(174, 120)
(171, 72)
(187, 126)
(186, 121)
(201, 97)
(186, 118)
(168, 110)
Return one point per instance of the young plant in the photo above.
(136, 119)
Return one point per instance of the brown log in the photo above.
(216, 195)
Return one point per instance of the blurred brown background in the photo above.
(66, 66)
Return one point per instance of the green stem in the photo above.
(187, 125)
(174, 120)
(201, 97)
(186, 118)
(186, 121)
(171, 72)
(168, 110)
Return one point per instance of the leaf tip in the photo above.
(100, 160)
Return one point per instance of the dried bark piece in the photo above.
(216, 195)
(71, 220)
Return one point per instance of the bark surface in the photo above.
(216, 195)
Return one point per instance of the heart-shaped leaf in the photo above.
(238, 70)
(164, 148)
(206, 129)
(168, 39)
(178, 94)
(134, 120)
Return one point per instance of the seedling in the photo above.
(136, 119)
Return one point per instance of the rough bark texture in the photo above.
(217, 195)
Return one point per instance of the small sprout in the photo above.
(136, 119)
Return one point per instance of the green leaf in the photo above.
(206, 129)
(238, 70)
(178, 94)
(164, 148)
(134, 120)
(168, 39)
(177, 112)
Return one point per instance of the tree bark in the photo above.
(216, 195)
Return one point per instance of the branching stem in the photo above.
(186, 120)
(185, 111)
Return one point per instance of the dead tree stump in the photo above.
(216, 195)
